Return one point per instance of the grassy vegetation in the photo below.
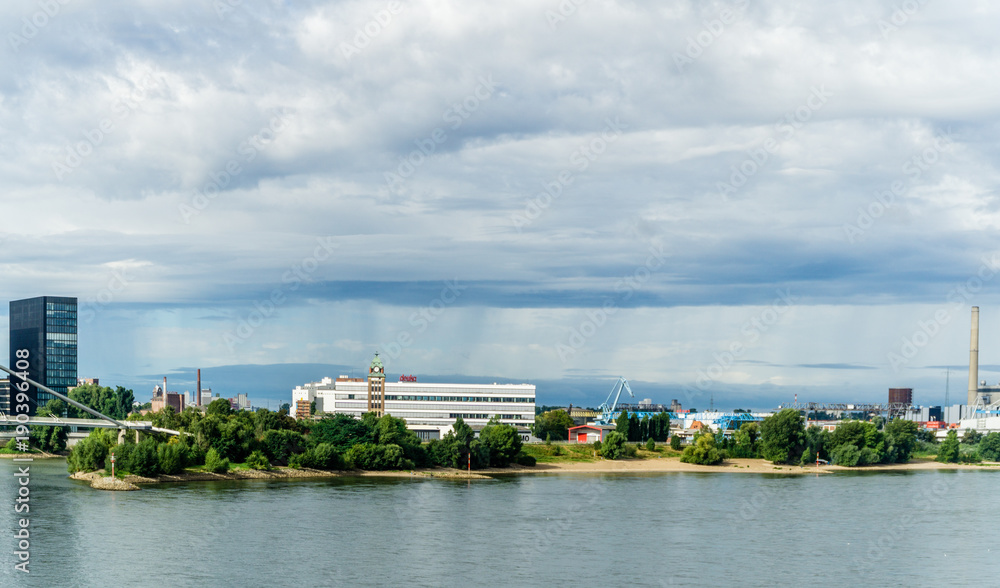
(557, 452)
(574, 452)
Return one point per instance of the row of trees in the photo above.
(977, 447)
(785, 439)
(221, 436)
(641, 430)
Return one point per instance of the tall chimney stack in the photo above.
(198, 393)
(974, 357)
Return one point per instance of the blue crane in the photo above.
(608, 410)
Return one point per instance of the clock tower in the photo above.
(376, 386)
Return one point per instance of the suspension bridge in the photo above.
(102, 420)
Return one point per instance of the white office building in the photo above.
(429, 409)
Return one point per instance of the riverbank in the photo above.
(600, 466)
(751, 466)
(279, 473)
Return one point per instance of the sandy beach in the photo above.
(626, 466)
(752, 466)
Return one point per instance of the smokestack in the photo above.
(198, 394)
(974, 357)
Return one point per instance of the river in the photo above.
(918, 528)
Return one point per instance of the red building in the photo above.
(588, 433)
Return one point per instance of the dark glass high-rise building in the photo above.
(46, 327)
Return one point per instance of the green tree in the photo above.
(501, 441)
(644, 428)
(675, 442)
(219, 407)
(744, 441)
(145, 460)
(651, 444)
(633, 427)
(703, 451)
(115, 403)
(900, 440)
(342, 431)
(949, 448)
(613, 446)
(171, 457)
(782, 437)
(817, 442)
(864, 436)
(660, 427)
(54, 407)
(972, 437)
(90, 453)
(280, 444)
(325, 457)
(369, 456)
(554, 423)
(622, 423)
(846, 455)
(989, 447)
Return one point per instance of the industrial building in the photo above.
(430, 409)
(982, 410)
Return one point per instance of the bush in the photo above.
(989, 447)
(631, 450)
(970, 457)
(597, 445)
(651, 444)
(171, 458)
(846, 455)
(214, 463)
(322, 457)
(675, 442)
(948, 453)
(281, 444)
(258, 461)
(502, 442)
(525, 460)
(703, 451)
(88, 455)
(368, 456)
(613, 446)
(972, 437)
(325, 457)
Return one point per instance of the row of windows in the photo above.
(409, 388)
(404, 398)
(60, 306)
(61, 351)
(411, 406)
(60, 322)
(453, 416)
(458, 398)
(69, 336)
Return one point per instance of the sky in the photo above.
(728, 203)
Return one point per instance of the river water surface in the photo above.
(675, 529)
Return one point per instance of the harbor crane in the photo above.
(608, 410)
